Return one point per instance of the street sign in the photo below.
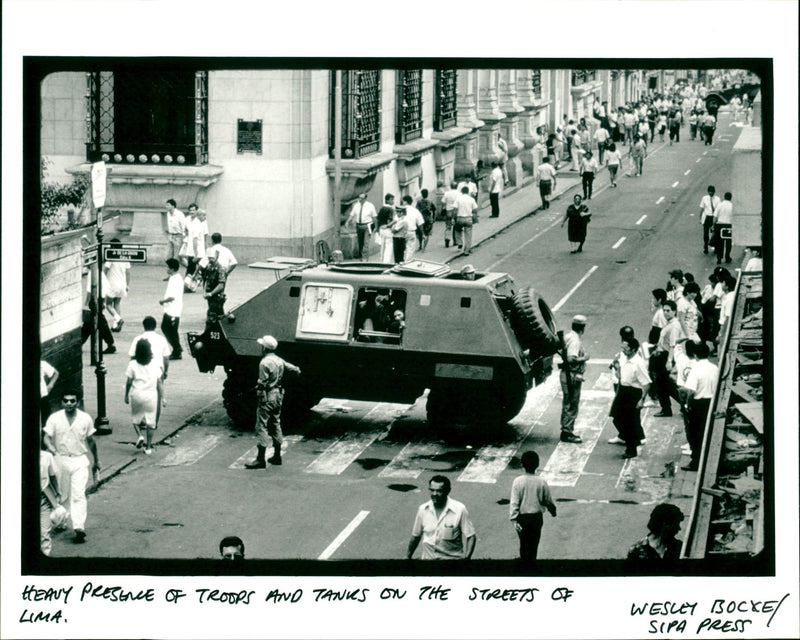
(99, 184)
(125, 253)
(89, 255)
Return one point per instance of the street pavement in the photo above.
(359, 469)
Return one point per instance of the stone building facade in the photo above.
(255, 147)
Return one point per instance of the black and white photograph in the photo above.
(341, 342)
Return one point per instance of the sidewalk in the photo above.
(187, 390)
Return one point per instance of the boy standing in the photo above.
(530, 496)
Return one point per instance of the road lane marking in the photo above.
(705, 152)
(639, 473)
(406, 463)
(344, 451)
(687, 172)
(698, 160)
(565, 465)
(675, 184)
(490, 461)
(618, 242)
(250, 454)
(563, 300)
(191, 452)
(660, 200)
(640, 220)
(337, 542)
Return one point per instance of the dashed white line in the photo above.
(660, 200)
(698, 160)
(618, 242)
(687, 172)
(705, 152)
(333, 546)
(640, 220)
(563, 300)
(675, 184)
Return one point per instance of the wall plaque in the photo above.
(248, 136)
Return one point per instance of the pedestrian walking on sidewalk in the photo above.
(588, 169)
(530, 496)
(495, 188)
(384, 222)
(116, 280)
(701, 383)
(578, 217)
(271, 372)
(363, 215)
(143, 392)
(577, 151)
(68, 436)
(613, 160)
(176, 230)
(466, 216)
(575, 362)
(91, 316)
(172, 304)
(399, 234)
(546, 178)
(449, 204)
(638, 154)
(601, 139)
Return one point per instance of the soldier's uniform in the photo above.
(215, 275)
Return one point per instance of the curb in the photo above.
(115, 469)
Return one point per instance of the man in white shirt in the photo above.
(662, 355)
(723, 231)
(546, 179)
(575, 358)
(225, 257)
(495, 188)
(172, 303)
(196, 236)
(701, 383)
(708, 214)
(176, 228)
(363, 214)
(449, 205)
(466, 216)
(442, 525)
(634, 383)
(600, 138)
(415, 221)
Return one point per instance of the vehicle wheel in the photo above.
(239, 396)
(534, 324)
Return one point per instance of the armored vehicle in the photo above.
(381, 332)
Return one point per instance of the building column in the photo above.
(466, 149)
(533, 117)
(509, 127)
(489, 112)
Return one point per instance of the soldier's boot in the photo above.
(276, 458)
(446, 243)
(259, 462)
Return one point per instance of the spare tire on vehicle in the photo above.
(534, 324)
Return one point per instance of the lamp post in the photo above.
(101, 423)
(337, 156)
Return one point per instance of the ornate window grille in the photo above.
(579, 76)
(361, 113)
(445, 109)
(536, 82)
(408, 123)
(154, 116)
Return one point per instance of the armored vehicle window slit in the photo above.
(379, 316)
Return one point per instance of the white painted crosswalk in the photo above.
(562, 466)
(342, 453)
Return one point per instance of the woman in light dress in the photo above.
(116, 279)
(144, 392)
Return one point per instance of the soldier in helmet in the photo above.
(271, 370)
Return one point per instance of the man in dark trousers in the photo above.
(530, 496)
(216, 278)
(701, 383)
(172, 304)
(571, 388)
(271, 370)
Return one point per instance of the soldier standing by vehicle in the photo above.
(572, 370)
(216, 277)
(270, 400)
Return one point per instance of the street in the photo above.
(353, 477)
